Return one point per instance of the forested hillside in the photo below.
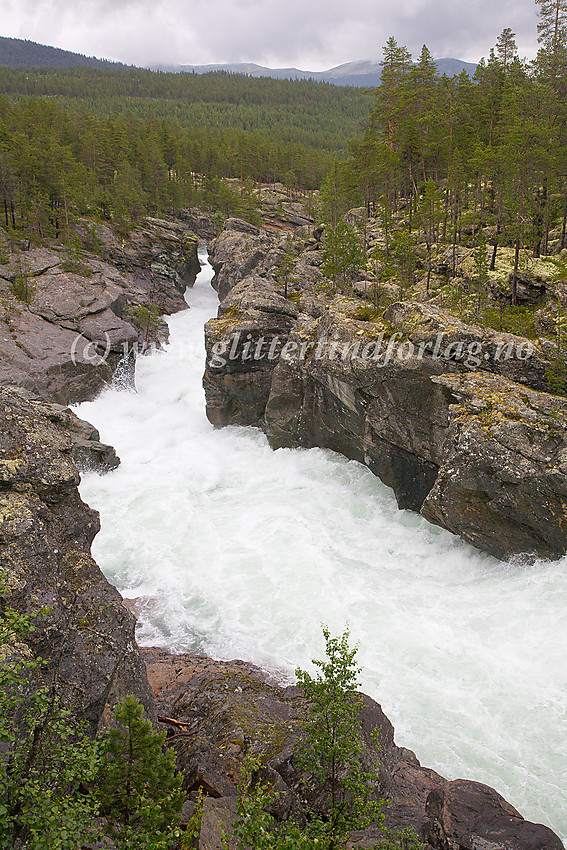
(447, 160)
(451, 154)
(259, 128)
(20, 53)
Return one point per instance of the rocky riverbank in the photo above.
(82, 630)
(216, 710)
(71, 316)
(453, 416)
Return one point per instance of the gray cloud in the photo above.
(312, 34)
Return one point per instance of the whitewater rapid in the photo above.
(241, 552)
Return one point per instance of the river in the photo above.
(238, 551)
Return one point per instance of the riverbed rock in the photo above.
(217, 712)
(384, 393)
(464, 815)
(502, 480)
(82, 631)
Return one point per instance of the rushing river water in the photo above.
(239, 551)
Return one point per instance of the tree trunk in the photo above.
(515, 272)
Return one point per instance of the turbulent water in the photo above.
(239, 551)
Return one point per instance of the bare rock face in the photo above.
(466, 815)
(85, 635)
(198, 223)
(238, 251)
(502, 482)
(242, 347)
(218, 711)
(474, 452)
(453, 417)
(70, 321)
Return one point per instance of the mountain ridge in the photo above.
(359, 72)
(23, 53)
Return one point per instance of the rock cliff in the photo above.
(71, 317)
(82, 630)
(454, 417)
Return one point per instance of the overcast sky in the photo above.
(309, 34)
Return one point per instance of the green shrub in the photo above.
(48, 761)
(22, 289)
(330, 755)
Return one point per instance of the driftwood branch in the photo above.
(171, 722)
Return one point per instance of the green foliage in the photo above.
(286, 265)
(368, 313)
(332, 748)
(518, 320)
(224, 125)
(193, 830)
(47, 759)
(481, 266)
(342, 255)
(54, 778)
(75, 264)
(330, 755)
(22, 288)
(140, 790)
(256, 828)
(403, 256)
(557, 372)
(404, 839)
(146, 317)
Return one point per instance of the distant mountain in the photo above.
(359, 73)
(17, 53)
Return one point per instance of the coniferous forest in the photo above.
(436, 163)
(457, 152)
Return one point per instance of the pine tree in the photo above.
(140, 790)
(552, 26)
(506, 47)
(343, 254)
(395, 67)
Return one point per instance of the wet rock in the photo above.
(464, 815)
(242, 347)
(219, 711)
(84, 633)
(378, 393)
(502, 482)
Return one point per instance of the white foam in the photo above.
(243, 552)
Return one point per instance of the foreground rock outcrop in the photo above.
(82, 630)
(218, 711)
(454, 417)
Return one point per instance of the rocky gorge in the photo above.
(220, 709)
(453, 416)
